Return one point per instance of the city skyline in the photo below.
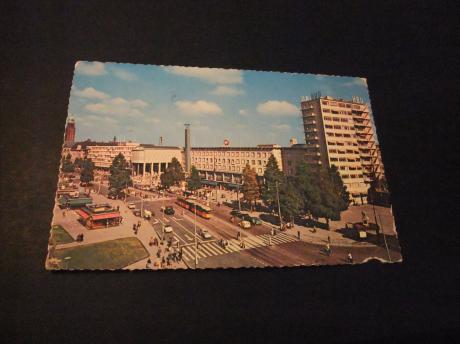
(142, 103)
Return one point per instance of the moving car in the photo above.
(148, 214)
(137, 212)
(131, 205)
(245, 224)
(205, 234)
(168, 229)
(255, 220)
(169, 210)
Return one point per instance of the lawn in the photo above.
(112, 254)
(60, 235)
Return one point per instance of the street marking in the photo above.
(175, 218)
(188, 237)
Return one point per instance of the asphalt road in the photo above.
(284, 250)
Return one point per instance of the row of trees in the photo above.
(85, 166)
(320, 193)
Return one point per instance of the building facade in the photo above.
(102, 154)
(339, 132)
(226, 164)
(69, 136)
(149, 162)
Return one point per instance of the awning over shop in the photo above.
(106, 216)
(209, 182)
(82, 214)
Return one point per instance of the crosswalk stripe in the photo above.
(187, 255)
(215, 248)
(251, 242)
(205, 250)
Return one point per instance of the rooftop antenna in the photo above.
(161, 141)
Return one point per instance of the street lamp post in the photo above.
(238, 197)
(279, 207)
(196, 242)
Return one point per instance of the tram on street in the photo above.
(191, 204)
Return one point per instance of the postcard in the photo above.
(173, 167)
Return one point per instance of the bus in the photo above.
(190, 204)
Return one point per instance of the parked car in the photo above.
(168, 229)
(245, 224)
(205, 234)
(255, 220)
(131, 205)
(169, 210)
(235, 212)
(137, 212)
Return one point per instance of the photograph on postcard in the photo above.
(172, 167)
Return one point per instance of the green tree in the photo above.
(67, 165)
(251, 189)
(332, 203)
(120, 173)
(78, 162)
(291, 203)
(87, 171)
(339, 188)
(173, 175)
(194, 182)
(272, 175)
(306, 182)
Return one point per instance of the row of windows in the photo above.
(344, 143)
(350, 168)
(230, 161)
(335, 119)
(343, 127)
(345, 159)
(346, 176)
(339, 135)
(336, 112)
(224, 168)
(348, 151)
(342, 105)
(235, 154)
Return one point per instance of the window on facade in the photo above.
(335, 112)
(333, 103)
(324, 102)
(233, 161)
(326, 110)
(333, 159)
(260, 170)
(328, 126)
(258, 154)
(348, 105)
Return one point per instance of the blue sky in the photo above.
(143, 102)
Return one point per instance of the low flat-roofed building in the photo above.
(150, 161)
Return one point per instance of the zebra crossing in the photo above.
(209, 249)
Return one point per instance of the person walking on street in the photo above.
(328, 249)
(298, 235)
(148, 265)
(328, 239)
(350, 258)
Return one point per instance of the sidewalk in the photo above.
(146, 231)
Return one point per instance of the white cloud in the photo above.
(152, 120)
(356, 82)
(227, 91)
(243, 112)
(89, 92)
(211, 75)
(277, 108)
(124, 74)
(198, 108)
(118, 106)
(90, 68)
(283, 127)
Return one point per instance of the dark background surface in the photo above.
(405, 51)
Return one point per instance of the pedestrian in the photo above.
(298, 234)
(163, 261)
(148, 265)
(134, 227)
(328, 249)
(328, 239)
(63, 213)
(350, 258)
(138, 223)
(151, 241)
(118, 208)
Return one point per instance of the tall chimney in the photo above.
(187, 149)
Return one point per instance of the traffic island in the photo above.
(60, 236)
(113, 254)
